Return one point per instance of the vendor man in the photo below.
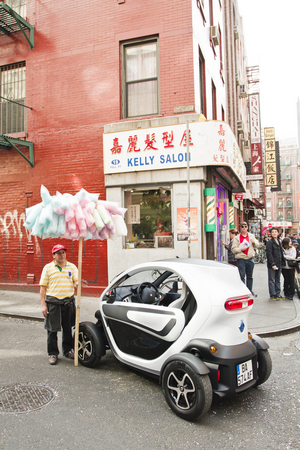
(57, 284)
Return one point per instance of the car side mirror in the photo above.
(111, 296)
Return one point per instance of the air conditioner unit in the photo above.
(240, 126)
(236, 32)
(214, 34)
(243, 93)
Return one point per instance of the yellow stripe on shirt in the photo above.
(59, 284)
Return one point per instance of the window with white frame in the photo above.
(149, 217)
(140, 83)
(17, 5)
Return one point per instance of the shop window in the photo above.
(140, 83)
(149, 218)
(12, 80)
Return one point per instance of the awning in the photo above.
(211, 143)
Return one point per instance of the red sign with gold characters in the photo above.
(256, 158)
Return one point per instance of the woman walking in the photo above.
(287, 271)
(231, 256)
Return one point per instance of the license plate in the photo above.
(244, 372)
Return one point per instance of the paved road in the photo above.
(112, 407)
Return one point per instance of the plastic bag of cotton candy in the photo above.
(75, 216)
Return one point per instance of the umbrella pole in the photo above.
(78, 302)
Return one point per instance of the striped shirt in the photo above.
(59, 284)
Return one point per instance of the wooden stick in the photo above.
(78, 302)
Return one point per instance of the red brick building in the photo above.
(72, 72)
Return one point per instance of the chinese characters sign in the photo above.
(271, 158)
(165, 147)
(256, 157)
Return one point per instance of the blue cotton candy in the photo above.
(32, 215)
(45, 195)
(61, 227)
(51, 228)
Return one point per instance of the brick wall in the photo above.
(73, 85)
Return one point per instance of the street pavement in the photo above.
(267, 317)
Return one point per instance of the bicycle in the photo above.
(260, 255)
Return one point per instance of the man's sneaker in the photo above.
(70, 354)
(274, 298)
(279, 297)
(253, 294)
(53, 359)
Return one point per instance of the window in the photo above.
(288, 188)
(13, 80)
(149, 218)
(202, 81)
(140, 87)
(17, 5)
(214, 101)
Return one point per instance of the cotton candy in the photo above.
(98, 221)
(104, 214)
(120, 225)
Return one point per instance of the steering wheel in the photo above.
(148, 293)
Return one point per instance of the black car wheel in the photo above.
(264, 366)
(187, 393)
(86, 347)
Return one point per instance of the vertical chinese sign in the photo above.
(272, 176)
(256, 159)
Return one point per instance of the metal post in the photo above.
(188, 187)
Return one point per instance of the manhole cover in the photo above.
(20, 399)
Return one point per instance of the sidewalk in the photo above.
(267, 318)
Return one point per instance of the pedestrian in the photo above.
(231, 256)
(288, 272)
(57, 284)
(243, 247)
(275, 260)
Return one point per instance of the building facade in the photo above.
(116, 98)
(282, 207)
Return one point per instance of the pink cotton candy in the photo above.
(84, 202)
(88, 218)
(89, 207)
(112, 207)
(79, 214)
(69, 214)
(82, 225)
(93, 228)
(111, 227)
(72, 225)
(104, 234)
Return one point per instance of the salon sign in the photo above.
(165, 147)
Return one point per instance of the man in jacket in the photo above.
(275, 261)
(243, 247)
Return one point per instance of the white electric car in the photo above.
(184, 321)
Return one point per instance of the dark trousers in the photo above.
(67, 322)
(289, 285)
(246, 267)
(274, 282)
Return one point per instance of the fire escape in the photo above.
(13, 111)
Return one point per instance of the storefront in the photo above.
(145, 165)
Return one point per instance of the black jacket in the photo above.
(275, 256)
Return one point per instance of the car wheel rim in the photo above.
(84, 346)
(182, 389)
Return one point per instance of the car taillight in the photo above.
(238, 302)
